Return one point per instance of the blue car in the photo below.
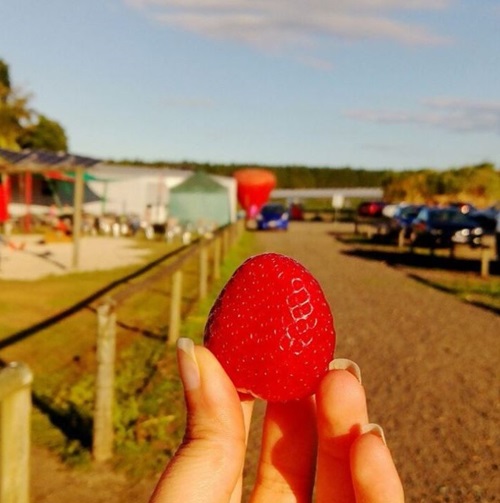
(444, 227)
(403, 218)
(272, 216)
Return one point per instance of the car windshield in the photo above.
(409, 211)
(272, 209)
(448, 216)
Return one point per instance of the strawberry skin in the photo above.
(272, 329)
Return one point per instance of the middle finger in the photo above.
(287, 462)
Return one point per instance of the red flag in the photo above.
(4, 211)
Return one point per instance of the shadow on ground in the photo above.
(420, 261)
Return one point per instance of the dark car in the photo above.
(272, 216)
(296, 211)
(403, 218)
(486, 218)
(444, 227)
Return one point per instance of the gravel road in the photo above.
(429, 364)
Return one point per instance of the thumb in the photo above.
(209, 461)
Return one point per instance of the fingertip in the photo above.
(210, 394)
(374, 474)
(341, 400)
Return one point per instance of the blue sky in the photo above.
(364, 83)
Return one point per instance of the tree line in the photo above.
(479, 184)
(476, 183)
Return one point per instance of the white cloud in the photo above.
(277, 25)
(452, 114)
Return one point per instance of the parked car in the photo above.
(272, 216)
(444, 227)
(371, 209)
(403, 218)
(464, 208)
(486, 218)
(296, 211)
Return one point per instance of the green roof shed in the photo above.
(200, 200)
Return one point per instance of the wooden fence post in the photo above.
(15, 420)
(217, 257)
(225, 242)
(203, 272)
(240, 226)
(175, 307)
(401, 238)
(102, 441)
(485, 262)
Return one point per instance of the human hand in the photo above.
(323, 444)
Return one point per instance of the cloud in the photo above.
(452, 114)
(281, 25)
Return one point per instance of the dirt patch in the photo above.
(54, 482)
(31, 257)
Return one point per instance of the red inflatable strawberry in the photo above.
(272, 329)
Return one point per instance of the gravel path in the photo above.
(429, 363)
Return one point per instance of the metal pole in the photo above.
(77, 216)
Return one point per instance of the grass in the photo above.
(149, 412)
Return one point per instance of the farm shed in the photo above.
(131, 190)
(200, 200)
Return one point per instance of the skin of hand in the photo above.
(323, 444)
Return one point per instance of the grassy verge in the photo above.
(149, 412)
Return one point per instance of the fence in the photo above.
(15, 411)
(219, 243)
(16, 378)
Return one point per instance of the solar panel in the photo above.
(38, 160)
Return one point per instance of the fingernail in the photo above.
(345, 364)
(188, 366)
(374, 429)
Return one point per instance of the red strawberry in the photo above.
(271, 329)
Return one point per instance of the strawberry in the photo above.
(271, 329)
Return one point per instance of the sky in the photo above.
(372, 84)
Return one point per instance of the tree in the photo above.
(22, 127)
(14, 111)
(4, 75)
(46, 134)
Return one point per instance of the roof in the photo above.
(41, 160)
(199, 182)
